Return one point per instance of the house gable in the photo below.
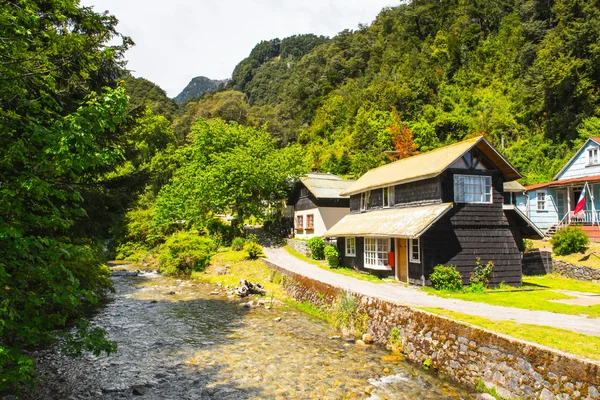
(580, 165)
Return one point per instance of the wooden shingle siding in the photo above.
(355, 203)
(309, 202)
(473, 230)
(425, 191)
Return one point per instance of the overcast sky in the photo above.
(177, 40)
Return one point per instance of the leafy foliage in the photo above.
(446, 277)
(237, 244)
(482, 273)
(569, 240)
(185, 252)
(253, 250)
(346, 316)
(332, 255)
(59, 120)
(316, 246)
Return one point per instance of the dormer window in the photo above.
(593, 156)
(472, 189)
(365, 201)
(388, 196)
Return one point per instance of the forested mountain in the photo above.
(525, 71)
(197, 87)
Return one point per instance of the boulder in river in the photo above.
(247, 288)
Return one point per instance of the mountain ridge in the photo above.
(197, 87)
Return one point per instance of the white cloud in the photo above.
(180, 39)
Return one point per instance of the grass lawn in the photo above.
(535, 300)
(340, 270)
(589, 258)
(560, 339)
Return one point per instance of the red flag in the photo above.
(580, 202)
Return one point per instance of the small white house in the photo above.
(317, 203)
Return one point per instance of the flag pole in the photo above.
(593, 207)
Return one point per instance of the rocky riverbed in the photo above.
(185, 340)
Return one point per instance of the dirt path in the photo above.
(397, 293)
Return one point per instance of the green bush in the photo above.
(131, 251)
(185, 252)
(446, 277)
(219, 231)
(569, 240)
(252, 238)
(237, 244)
(482, 273)
(254, 250)
(347, 318)
(527, 245)
(316, 246)
(332, 255)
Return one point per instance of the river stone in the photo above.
(367, 338)
(546, 395)
(485, 396)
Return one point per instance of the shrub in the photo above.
(446, 277)
(131, 251)
(252, 238)
(332, 255)
(237, 244)
(569, 240)
(346, 316)
(527, 245)
(220, 231)
(254, 250)
(482, 273)
(316, 246)
(185, 252)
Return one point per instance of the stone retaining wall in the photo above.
(300, 246)
(464, 352)
(575, 271)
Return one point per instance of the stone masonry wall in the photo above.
(300, 246)
(575, 271)
(464, 352)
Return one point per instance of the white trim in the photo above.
(568, 164)
(537, 201)
(484, 177)
(390, 196)
(590, 151)
(414, 259)
(384, 267)
(365, 198)
(346, 253)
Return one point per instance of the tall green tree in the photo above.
(230, 169)
(58, 124)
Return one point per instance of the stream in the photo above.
(179, 340)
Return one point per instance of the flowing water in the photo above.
(180, 340)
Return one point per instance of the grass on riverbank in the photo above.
(340, 270)
(560, 339)
(538, 300)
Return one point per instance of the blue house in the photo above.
(550, 205)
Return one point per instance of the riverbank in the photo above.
(186, 339)
(467, 353)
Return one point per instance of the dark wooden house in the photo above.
(441, 207)
(317, 203)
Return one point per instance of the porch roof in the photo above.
(408, 223)
(565, 182)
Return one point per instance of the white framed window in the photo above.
(540, 197)
(310, 221)
(472, 189)
(351, 247)
(388, 196)
(299, 222)
(593, 156)
(415, 250)
(365, 201)
(376, 253)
